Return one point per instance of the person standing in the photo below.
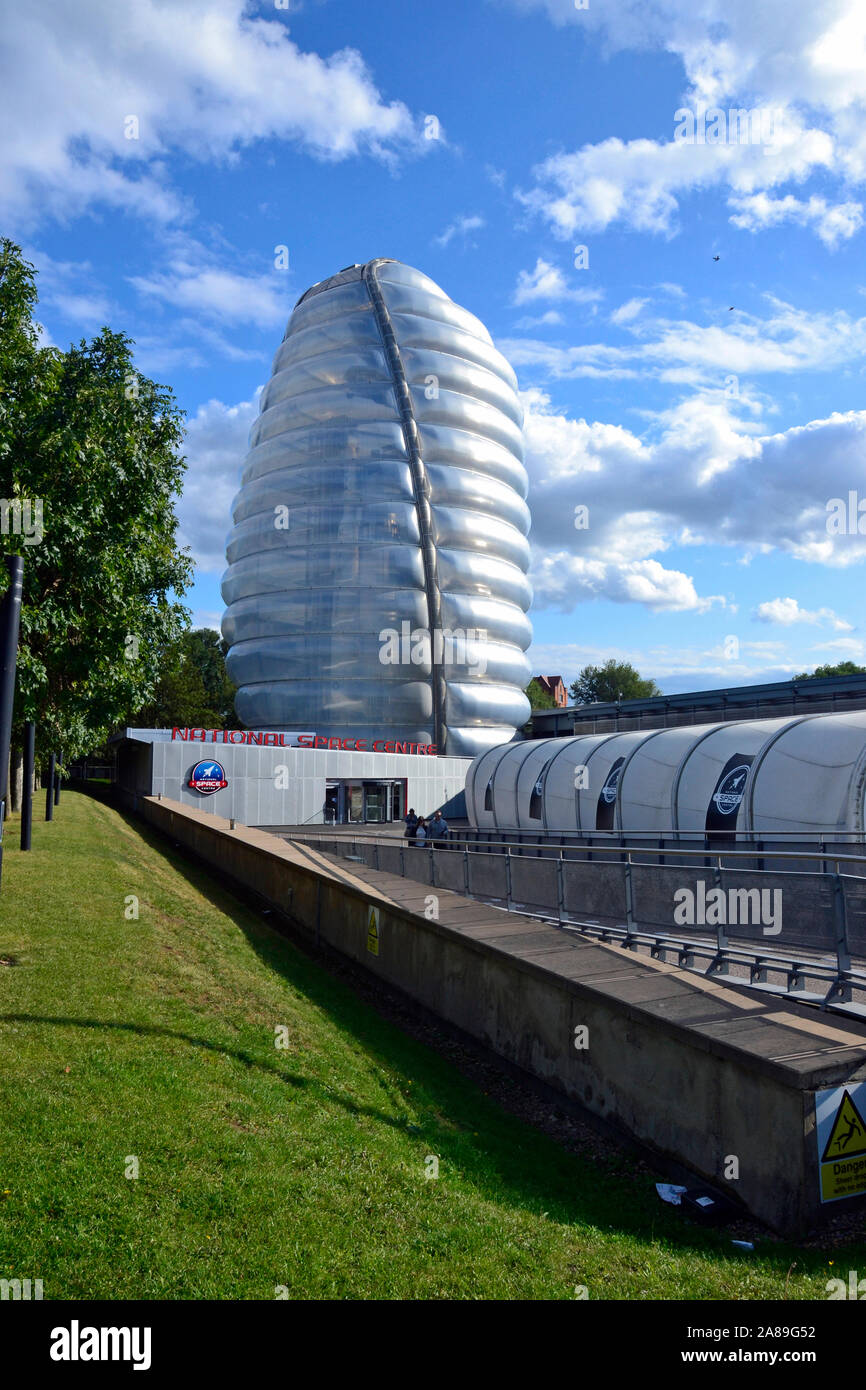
(411, 826)
(420, 833)
(438, 830)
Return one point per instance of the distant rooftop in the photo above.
(822, 694)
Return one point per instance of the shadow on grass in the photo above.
(509, 1160)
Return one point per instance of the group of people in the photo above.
(433, 831)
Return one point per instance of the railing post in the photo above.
(840, 913)
(375, 854)
(402, 859)
(721, 936)
(629, 899)
(560, 887)
(508, 877)
(432, 868)
(466, 870)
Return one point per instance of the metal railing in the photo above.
(630, 898)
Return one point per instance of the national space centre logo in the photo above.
(207, 777)
(729, 792)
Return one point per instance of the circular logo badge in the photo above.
(207, 778)
(729, 792)
(608, 791)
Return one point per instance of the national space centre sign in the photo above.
(270, 739)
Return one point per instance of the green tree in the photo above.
(207, 650)
(95, 444)
(538, 697)
(192, 688)
(842, 668)
(615, 680)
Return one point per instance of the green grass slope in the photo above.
(149, 1044)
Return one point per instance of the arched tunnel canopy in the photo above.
(804, 775)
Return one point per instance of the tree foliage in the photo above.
(615, 680)
(842, 668)
(97, 444)
(193, 687)
(538, 697)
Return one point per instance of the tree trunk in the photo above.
(16, 778)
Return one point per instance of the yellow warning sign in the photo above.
(373, 931)
(846, 1178)
(848, 1135)
(842, 1144)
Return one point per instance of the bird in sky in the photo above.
(730, 308)
(716, 258)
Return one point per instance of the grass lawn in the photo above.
(154, 1040)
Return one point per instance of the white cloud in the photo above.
(703, 480)
(213, 291)
(639, 182)
(833, 223)
(787, 340)
(461, 226)
(787, 611)
(685, 667)
(547, 281)
(71, 289)
(86, 310)
(800, 60)
(552, 317)
(207, 617)
(200, 77)
(216, 446)
(561, 581)
(628, 311)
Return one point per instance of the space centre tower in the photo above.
(377, 564)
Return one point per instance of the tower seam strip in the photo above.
(420, 489)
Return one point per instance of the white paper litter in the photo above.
(670, 1193)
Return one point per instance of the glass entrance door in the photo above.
(375, 802)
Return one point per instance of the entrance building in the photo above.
(273, 779)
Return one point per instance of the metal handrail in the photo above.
(359, 828)
(454, 841)
(839, 978)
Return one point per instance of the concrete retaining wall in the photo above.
(698, 1070)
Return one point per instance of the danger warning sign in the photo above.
(841, 1134)
(373, 931)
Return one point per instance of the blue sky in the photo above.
(705, 411)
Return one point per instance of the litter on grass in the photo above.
(669, 1192)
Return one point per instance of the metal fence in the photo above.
(791, 926)
(82, 772)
